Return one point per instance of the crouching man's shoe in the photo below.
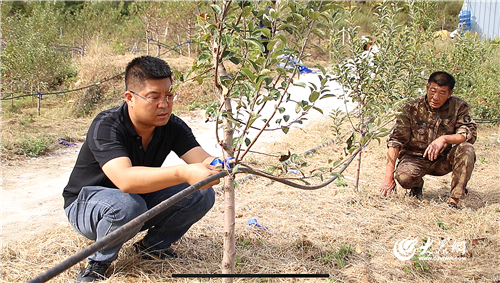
(415, 192)
(94, 271)
(148, 253)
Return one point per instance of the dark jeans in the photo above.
(99, 210)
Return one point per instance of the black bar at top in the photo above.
(250, 275)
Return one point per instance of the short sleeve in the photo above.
(105, 140)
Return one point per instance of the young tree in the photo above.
(31, 55)
(382, 71)
(256, 37)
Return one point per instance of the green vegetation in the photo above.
(442, 225)
(31, 146)
(45, 44)
(338, 257)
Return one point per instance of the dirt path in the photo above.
(31, 193)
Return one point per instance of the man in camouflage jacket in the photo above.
(433, 135)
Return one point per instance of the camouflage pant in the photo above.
(459, 160)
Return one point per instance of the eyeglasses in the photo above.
(170, 97)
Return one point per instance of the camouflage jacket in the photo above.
(418, 125)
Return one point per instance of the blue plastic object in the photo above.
(464, 21)
(224, 163)
(253, 221)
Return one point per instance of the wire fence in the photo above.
(41, 94)
(169, 48)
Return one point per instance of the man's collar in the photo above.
(126, 120)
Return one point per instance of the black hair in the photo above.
(146, 68)
(442, 79)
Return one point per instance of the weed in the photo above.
(421, 265)
(243, 243)
(240, 261)
(483, 160)
(340, 182)
(442, 225)
(340, 257)
(33, 146)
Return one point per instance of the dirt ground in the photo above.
(305, 231)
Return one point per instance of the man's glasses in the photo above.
(170, 97)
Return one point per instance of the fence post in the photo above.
(180, 45)
(38, 102)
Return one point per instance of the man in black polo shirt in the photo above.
(118, 173)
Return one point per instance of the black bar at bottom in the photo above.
(250, 275)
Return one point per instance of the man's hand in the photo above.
(199, 171)
(387, 186)
(433, 150)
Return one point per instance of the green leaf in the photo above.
(248, 73)
(318, 109)
(281, 110)
(236, 141)
(235, 170)
(235, 60)
(247, 141)
(199, 80)
(255, 42)
(301, 84)
(265, 31)
(321, 68)
(297, 108)
(284, 26)
(216, 9)
(327, 95)
(227, 40)
(313, 96)
(286, 118)
(319, 175)
(285, 129)
(298, 16)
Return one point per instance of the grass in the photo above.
(346, 233)
(309, 231)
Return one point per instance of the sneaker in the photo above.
(148, 253)
(93, 271)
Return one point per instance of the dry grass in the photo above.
(305, 229)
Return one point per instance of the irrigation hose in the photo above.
(118, 233)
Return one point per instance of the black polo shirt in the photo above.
(112, 135)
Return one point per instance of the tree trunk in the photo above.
(358, 170)
(228, 259)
